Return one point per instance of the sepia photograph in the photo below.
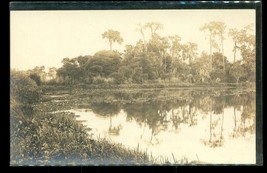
(132, 87)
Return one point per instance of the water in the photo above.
(217, 128)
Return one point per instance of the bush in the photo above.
(24, 89)
(36, 78)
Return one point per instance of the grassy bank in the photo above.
(58, 139)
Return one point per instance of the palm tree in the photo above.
(112, 36)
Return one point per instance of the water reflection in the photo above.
(108, 109)
(197, 120)
(245, 124)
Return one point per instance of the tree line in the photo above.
(155, 58)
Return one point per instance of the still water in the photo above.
(212, 129)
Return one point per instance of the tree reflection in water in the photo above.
(245, 123)
(159, 115)
(171, 114)
(108, 109)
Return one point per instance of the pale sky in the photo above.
(46, 37)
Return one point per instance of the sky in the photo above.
(46, 37)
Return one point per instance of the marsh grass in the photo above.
(58, 139)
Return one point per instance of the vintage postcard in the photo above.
(133, 87)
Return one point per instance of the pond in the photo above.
(211, 127)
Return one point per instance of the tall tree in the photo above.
(176, 46)
(213, 28)
(220, 30)
(112, 36)
(234, 34)
(153, 27)
(140, 28)
(244, 40)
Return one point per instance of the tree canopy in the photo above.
(157, 58)
(112, 36)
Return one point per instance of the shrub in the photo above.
(24, 89)
(36, 78)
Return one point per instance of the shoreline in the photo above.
(157, 86)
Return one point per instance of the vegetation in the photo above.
(112, 36)
(41, 136)
(156, 59)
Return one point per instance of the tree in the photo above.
(208, 27)
(237, 71)
(112, 36)
(214, 29)
(153, 27)
(141, 29)
(82, 60)
(244, 41)
(52, 73)
(220, 27)
(176, 46)
(70, 71)
(103, 63)
(157, 48)
(200, 68)
(189, 51)
(235, 36)
(219, 68)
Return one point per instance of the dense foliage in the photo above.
(158, 59)
(166, 59)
